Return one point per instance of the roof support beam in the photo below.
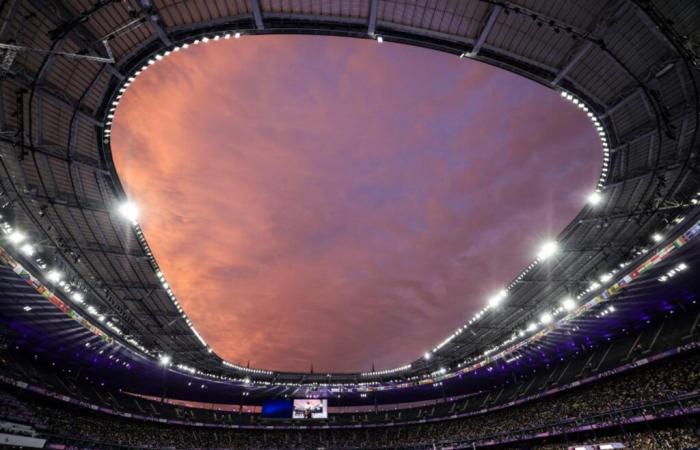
(580, 53)
(62, 201)
(257, 14)
(634, 140)
(636, 92)
(372, 19)
(70, 24)
(495, 11)
(119, 284)
(11, 11)
(645, 173)
(87, 247)
(154, 17)
(46, 92)
(57, 152)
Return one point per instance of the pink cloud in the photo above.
(332, 202)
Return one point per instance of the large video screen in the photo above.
(309, 408)
(277, 409)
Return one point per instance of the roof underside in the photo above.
(634, 65)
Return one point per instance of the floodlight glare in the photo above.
(546, 318)
(531, 326)
(657, 237)
(27, 249)
(54, 275)
(16, 237)
(595, 198)
(568, 304)
(547, 250)
(427, 355)
(165, 360)
(496, 299)
(129, 210)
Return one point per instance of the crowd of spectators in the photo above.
(664, 389)
(664, 438)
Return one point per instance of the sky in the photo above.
(341, 203)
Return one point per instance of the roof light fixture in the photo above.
(568, 304)
(595, 198)
(16, 237)
(54, 275)
(547, 250)
(129, 210)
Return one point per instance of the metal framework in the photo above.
(633, 63)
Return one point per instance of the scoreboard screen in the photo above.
(309, 408)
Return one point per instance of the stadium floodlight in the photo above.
(129, 210)
(595, 198)
(531, 326)
(27, 249)
(54, 275)
(380, 39)
(427, 355)
(657, 237)
(547, 249)
(605, 277)
(546, 318)
(237, 35)
(568, 304)
(165, 360)
(16, 237)
(496, 299)
(77, 297)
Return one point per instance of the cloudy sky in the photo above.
(337, 202)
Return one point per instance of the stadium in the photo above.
(592, 345)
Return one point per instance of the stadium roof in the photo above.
(65, 64)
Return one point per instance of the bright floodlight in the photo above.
(27, 249)
(496, 299)
(165, 360)
(16, 237)
(427, 355)
(656, 237)
(606, 277)
(54, 275)
(78, 297)
(129, 210)
(531, 326)
(595, 198)
(546, 318)
(548, 249)
(380, 39)
(568, 304)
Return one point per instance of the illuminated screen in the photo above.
(309, 408)
(277, 409)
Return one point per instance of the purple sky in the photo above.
(335, 202)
